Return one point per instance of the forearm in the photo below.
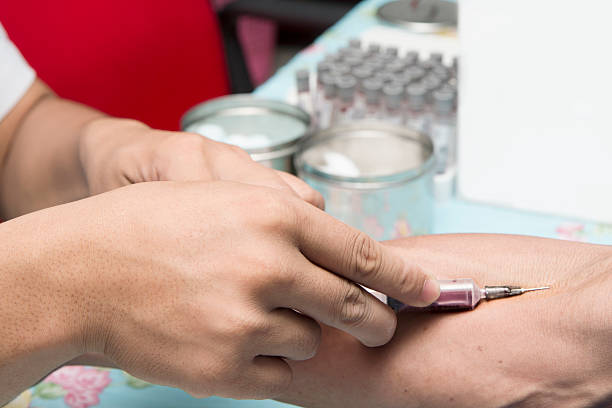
(40, 164)
(550, 349)
(38, 312)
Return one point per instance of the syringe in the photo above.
(464, 294)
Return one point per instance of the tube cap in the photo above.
(441, 72)
(416, 96)
(372, 88)
(302, 77)
(346, 87)
(394, 94)
(329, 85)
(355, 43)
(353, 61)
(415, 72)
(373, 48)
(391, 51)
(444, 100)
(323, 67)
(340, 69)
(361, 74)
(436, 57)
(412, 56)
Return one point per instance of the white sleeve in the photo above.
(16, 75)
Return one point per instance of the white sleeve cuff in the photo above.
(16, 76)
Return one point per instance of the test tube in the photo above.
(372, 88)
(345, 99)
(373, 49)
(443, 129)
(444, 136)
(326, 106)
(355, 43)
(391, 51)
(431, 83)
(323, 68)
(304, 96)
(361, 73)
(393, 98)
(416, 109)
(436, 57)
(412, 58)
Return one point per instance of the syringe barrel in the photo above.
(455, 294)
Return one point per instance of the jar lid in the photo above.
(366, 155)
(424, 16)
(264, 128)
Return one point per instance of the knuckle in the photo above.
(364, 257)
(310, 342)
(239, 152)
(314, 197)
(189, 142)
(411, 282)
(354, 310)
(283, 278)
(251, 326)
(274, 210)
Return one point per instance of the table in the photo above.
(82, 387)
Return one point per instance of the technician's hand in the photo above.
(118, 152)
(197, 285)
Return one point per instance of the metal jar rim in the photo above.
(231, 104)
(368, 182)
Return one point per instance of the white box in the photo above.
(535, 128)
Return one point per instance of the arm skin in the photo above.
(39, 152)
(54, 151)
(544, 349)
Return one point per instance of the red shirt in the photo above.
(145, 59)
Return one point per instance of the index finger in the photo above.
(348, 252)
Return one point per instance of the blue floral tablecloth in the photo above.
(83, 387)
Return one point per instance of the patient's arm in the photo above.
(549, 348)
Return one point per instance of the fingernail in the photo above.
(430, 292)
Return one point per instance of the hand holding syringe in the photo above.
(464, 294)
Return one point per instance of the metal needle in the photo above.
(532, 289)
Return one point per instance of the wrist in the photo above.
(577, 327)
(41, 322)
(106, 148)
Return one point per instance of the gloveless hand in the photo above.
(117, 152)
(196, 285)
